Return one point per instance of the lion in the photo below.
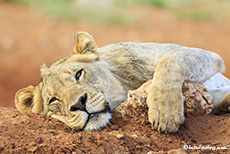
(81, 90)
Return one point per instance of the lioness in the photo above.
(82, 89)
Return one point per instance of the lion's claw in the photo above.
(164, 120)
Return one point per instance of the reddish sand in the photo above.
(35, 133)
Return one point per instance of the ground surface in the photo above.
(28, 39)
(34, 133)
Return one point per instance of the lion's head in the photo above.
(78, 90)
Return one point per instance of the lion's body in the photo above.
(134, 63)
(81, 89)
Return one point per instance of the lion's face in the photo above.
(76, 90)
(71, 91)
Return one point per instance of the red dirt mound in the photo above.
(34, 133)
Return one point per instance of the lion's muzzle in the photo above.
(93, 116)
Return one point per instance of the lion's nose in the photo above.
(81, 104)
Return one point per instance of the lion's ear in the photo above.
(84, 44)
(29, 100)
(44, 70)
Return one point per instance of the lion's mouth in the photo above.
(94, 114)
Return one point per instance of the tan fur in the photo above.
(25, 98)
(83, 58)
(80, 89)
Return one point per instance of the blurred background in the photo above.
(34, 32)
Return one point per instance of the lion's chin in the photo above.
(99, 121)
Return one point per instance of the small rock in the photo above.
(120, 136)
(134, 135)
(169, 140)
(99, 143)
(177, 151)
(32, 148)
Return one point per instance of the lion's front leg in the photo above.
(166, 111)
(165, 96)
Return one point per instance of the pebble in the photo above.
(120, 136)
(177, 151)
(150, 152)
(169, 140)
(134, 135)
(32, 148)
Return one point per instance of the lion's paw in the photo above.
(165, 113)
(163, 121)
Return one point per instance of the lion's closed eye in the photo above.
(55, 107)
